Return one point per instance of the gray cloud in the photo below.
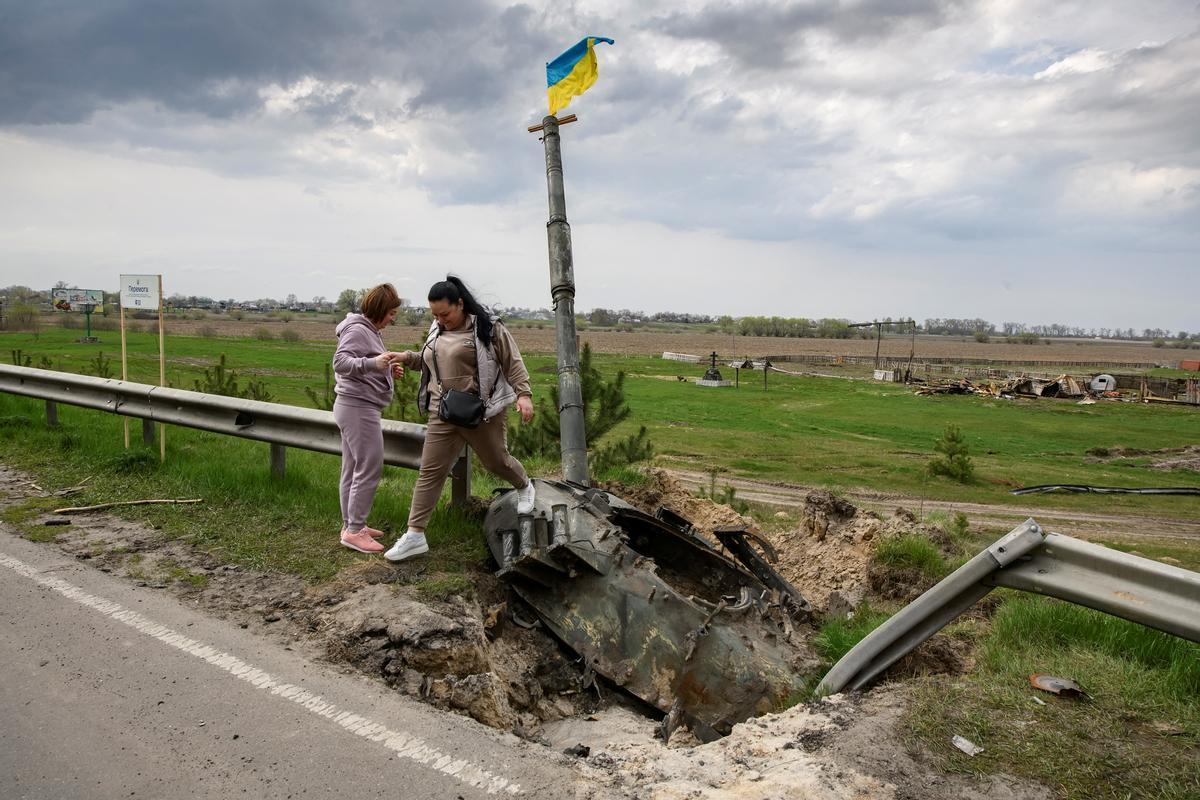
(876, 124)
(766, 36)
(60, 65)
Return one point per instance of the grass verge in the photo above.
(1139, 735)
(247, 517)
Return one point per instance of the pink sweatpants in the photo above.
(362, 459)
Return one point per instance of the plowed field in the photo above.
(535, 340)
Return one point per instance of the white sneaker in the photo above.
(525, 498)
(410, 544)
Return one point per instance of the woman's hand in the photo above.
(397, 370)
(525, 406)
(388, 360)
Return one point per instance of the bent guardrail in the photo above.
(1030, 559)
(278, 424)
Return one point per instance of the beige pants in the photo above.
(443, 443)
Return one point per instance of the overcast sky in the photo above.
(1016, 161)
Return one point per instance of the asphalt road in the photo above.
(109, 690)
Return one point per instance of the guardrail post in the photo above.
(147, 431)
(278, 460)
(51, 414)
(460, 484)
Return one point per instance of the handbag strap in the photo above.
(432, 345)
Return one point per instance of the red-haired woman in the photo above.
(364, 370)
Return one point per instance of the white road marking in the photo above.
(402, 744)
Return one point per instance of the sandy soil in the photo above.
(842, 747)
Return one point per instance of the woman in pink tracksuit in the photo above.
(364, 370)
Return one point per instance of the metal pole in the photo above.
(124, 366)
(460, 479)
(572, 436)
(878, 339)
(162, 375)
(278, 460)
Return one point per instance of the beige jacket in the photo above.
(499, 369)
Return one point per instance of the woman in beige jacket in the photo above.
(468, 349)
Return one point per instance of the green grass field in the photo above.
(810, 431)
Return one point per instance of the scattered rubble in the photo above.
(842, 747)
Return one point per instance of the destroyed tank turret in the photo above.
(654, 607)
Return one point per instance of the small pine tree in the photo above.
(323, 400)
(224, 381)
(604, 408)
(955, 459)
(404, 399)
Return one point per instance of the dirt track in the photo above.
(1081, 524)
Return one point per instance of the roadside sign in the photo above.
(68, 299)
(145, 292)
(140, 291)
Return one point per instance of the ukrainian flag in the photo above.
(572, 73)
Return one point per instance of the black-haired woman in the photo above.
(469, 350)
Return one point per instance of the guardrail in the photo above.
(280, 425)
(1028, 558)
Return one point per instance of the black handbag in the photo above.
(464, 409)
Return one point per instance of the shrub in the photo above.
(982, 337)
(224, 381)
(23, 317)
(604, 408)
(324, 400)
(263, 334)
(206, 332)
(404, 399)
(1159, 342)
(100, 366)
(955, 459)
(70, 322)
(22, 359)
(290, 335)
(912, 552)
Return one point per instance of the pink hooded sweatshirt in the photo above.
(358, 380)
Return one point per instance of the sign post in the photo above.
(144, 292)
(88, 300)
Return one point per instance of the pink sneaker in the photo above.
(361, 541)
(374, 533)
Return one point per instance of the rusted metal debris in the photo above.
(1080, 489)
(653, 607)
(1020, 386)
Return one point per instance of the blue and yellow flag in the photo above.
(572, 73)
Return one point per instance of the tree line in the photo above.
(24, 300)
